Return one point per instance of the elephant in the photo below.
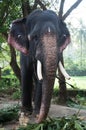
(40, 37)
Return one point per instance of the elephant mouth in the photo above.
(62, 69)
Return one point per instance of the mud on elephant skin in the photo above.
(40, 37)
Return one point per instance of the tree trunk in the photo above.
(26, 8)
(62, 85)
(0, 72)
(14, 64)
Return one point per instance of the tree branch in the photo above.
(38, 2)
(35, 4)
(26, 8)
(71, 9)
(14, 64)
(61, 8)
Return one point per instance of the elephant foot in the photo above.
(36, 113)
(23, 119)
(27, 110)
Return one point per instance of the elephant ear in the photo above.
(17, 35)
(64, 38)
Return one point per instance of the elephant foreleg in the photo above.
(27, 86)
(38, 96)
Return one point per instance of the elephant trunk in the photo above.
(49, 42)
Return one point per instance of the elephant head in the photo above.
(44, 36)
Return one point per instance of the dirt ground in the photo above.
(55, 111)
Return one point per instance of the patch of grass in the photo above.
(79, 82)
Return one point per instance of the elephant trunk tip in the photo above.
(42, 114)
(41, 117)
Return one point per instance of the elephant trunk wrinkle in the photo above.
(50, 56)
(50, 53)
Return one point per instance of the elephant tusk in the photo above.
(39, 70)
(63, 71)
(29, 37)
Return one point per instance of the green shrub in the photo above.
(16, 95)
(75, 68)
(9, 85)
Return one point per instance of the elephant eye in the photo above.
(64, 35)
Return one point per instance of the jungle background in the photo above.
(73, 58)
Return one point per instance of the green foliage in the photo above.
(74, 67)
(4, 55)
(8, 12)
(1, 40)
(75, 59)
(64, 123)
(16, 95)
(77, 103)
(10, 86)
(9, 82)
(9, 114)
(8, 77)
(81, 100)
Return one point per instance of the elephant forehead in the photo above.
(49, 42)
(49, 38)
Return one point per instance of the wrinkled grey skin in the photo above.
(40, 36)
